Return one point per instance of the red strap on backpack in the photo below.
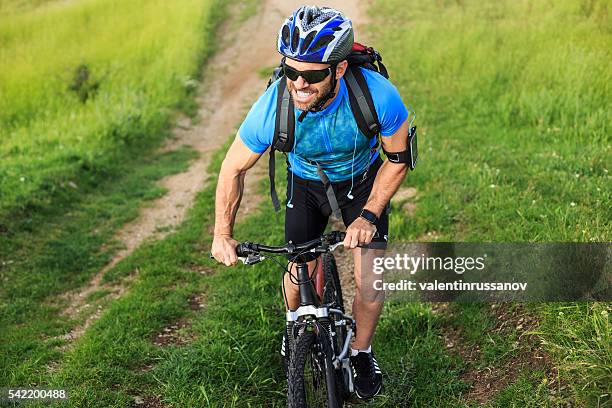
(357, 47)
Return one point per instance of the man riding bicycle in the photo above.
(333, 168)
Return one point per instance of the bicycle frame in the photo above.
(319, 279)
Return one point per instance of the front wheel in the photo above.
(311, 380)
(332, 292)
(332, 296)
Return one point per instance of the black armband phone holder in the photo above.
(410, 155)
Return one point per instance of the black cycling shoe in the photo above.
(367, 377)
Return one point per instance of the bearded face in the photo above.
(306, 96)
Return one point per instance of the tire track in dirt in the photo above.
(484, 382)
(222, 102)
(251, 196)
(230, 84)
(528, 354)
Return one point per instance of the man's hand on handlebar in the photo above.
(360, 232)
(224, 249)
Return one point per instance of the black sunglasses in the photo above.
(312, 76)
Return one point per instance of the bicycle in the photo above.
(319, 374)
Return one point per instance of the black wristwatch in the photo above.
(369, 216)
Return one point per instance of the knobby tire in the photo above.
(311, 373)
(332, 295)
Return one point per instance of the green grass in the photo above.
(527, 391)
(513, 101)
(580, 336)
(15, 6)
(79, 161)
(85, 83)
(59, 250)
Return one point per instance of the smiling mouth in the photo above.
(303, 96)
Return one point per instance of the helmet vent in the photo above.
(285, 35)
(321, 17)
(322, 42)
(295, 39)
(307, 41)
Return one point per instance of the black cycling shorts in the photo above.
(307, 218)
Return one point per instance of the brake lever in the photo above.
(247, 260)
(325, 248)
(332, 247)
(251, 259)
(336, 245)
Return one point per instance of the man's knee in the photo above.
(367, 282)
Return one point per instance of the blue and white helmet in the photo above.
(316, 34)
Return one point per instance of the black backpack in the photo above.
(360, 100)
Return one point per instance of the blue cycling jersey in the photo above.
(331, 136)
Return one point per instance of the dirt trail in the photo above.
(230, 84)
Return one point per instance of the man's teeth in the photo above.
(303, 94)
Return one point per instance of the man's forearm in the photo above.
(227, 200)
(388, 179)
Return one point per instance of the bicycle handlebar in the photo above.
(250, 253)
(325, 243)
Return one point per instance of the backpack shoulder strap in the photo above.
(284, 135)
(284, 126)
(361, 102)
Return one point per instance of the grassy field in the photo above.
(86, 84)
(513, 103)
(87, 91)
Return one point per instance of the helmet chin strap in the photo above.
(319, 105)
